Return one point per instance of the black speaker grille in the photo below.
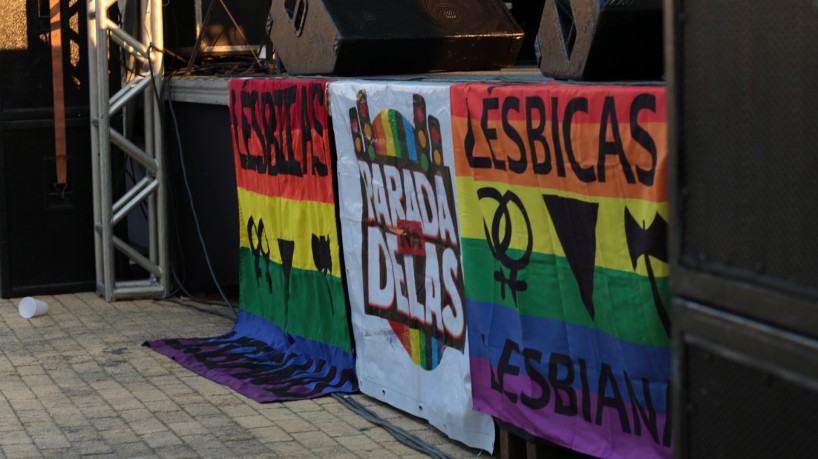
(749, 139)
(420, 18)
(736, 411)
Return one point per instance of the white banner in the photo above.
(401, 244)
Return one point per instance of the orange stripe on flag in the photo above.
(606, 141)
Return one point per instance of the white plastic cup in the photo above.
(32, 307)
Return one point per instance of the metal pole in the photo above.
(105, 191)
(93, 44)
(148, 103)
(161, 196)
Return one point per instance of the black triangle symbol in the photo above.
(575, 223)
(287, 248)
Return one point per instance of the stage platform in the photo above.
(212, 90)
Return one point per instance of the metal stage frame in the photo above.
(143, 78)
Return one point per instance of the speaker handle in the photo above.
(296, 10)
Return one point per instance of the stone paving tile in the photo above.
(297, 426)
(176, 451)
(186, 428)
(82, 433)
(79, 383)
(290, 449)
(147, 426)
(247, 448)
(200, 409)
(335, 427)
(132, 450)
(357, 442)
(23, 450)
(157, 439)
(332, 452)
(124, 403)
(207, 445)
(377, 434)
(316, 439)
(252, 421)
(271, 434)
(51, 440)
(92, 447)
(122, 436)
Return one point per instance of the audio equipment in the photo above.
(186, 19)
(46, 228)
(361, 37)
(743, 106)
(742, 111)
(601, 40)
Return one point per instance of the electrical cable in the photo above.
(193, 297)
(400, 435)
(193, 306)
(195, 215)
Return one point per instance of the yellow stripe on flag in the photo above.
(611, 241)
(290, 220)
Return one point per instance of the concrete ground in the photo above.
(77, 382)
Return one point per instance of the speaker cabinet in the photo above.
(743, 107)
(207, 143)
(601, 40)
(361, 37)
(184, 19)
(46, 232)
(742, 388)
(742, 111)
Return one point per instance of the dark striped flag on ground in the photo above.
(292, 337)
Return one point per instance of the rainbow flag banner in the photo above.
(562, 199)
(401, 240)
(292, 337)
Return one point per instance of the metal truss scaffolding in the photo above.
(143, 77)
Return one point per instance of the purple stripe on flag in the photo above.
(264, 363)
(610, 426)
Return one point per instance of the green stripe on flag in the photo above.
(623, 301)
(315, 308)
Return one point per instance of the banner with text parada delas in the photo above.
(401, 244)
(292, 338)
(562, 198)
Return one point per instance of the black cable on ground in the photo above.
(400, 435)
(180, 286)
(192, 305)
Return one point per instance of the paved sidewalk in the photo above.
(77, 382)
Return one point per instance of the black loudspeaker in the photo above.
(601, 40)
(742, 111)
(207, 150)
(743, 107)
(741, 387)
(184, 19)
(393, 36)
(46, 232)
